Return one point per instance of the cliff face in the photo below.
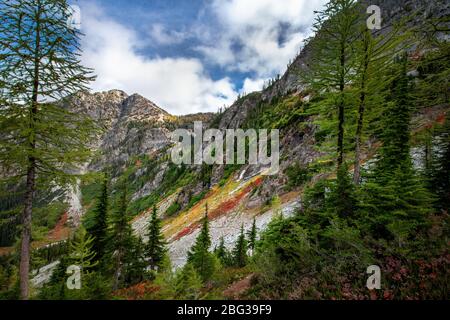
(132, 124)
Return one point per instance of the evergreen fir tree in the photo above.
(80, 254)
(137, 264)
(93, 284)
(97, 224)
(240, 250)
(199, 256)
(156, 245)
(439, 171)
(222, 253)
(396, 203)
(120, 242)
(397, 118)
(342, 199)
(252, 233)
(395, 198)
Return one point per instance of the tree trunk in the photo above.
(26, 231)
(357, 165)
(341, 133)
(341, 108)
(24, 267)
(117, 272)
(359, 128)
(361, 110)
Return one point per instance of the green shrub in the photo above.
(297, 175)
(172, 209)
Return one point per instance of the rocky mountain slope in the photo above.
(236, 196)
(136, 140)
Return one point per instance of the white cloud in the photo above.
(250, 41)
(251, 85)
(162, 36)
(179, 85)
(258, 37)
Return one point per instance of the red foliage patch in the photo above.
(137, 292)
(185, 231)
(138, 163)
(416, 56)
(223, 208)
(238, 288)
(60, 231)
(229, 205)
(6, 250)
(441, 118)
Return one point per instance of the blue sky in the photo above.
(191, 56)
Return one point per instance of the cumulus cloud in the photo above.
(252, 85)
(259, 36)
(251, 39)
(179, 85)
(163, 36)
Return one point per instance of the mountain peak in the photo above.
(139, 108)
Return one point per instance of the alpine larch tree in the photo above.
(41, 142)
(330, 69)
(374, 57)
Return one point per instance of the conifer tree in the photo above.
(97, 224)
(374, 57)
(187, 283)
(367, 49)
(331, 65)
(81, 251)
(396, 121)
(199, 256)
(56, 286)
(252, 233)
(341, 199)
(395, 197)
(439, 171)
(156, 245)
(240, 250)
(120, 241)
(222, 253)
(137, 264)
(332, 72)
(93, 285)
(80, 254)
(434, 66)
(41, 143)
